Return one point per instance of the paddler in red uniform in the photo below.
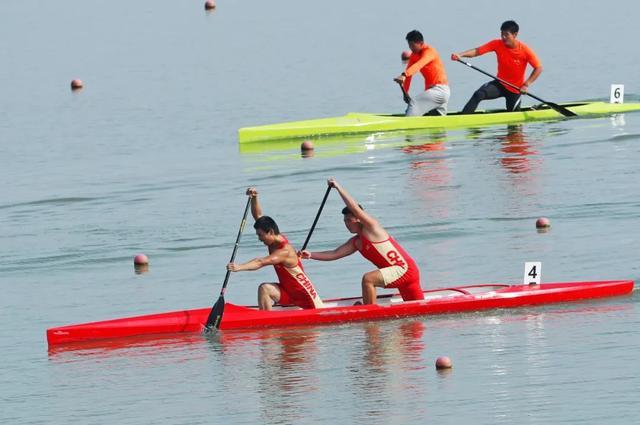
(395, 268)
(293, 286)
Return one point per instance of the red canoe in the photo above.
(446, 300)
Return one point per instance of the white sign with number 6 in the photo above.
(617, 93)
(532, 273)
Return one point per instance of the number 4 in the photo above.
(532, 273)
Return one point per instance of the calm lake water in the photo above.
(145, 159)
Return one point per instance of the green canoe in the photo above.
(371, 123)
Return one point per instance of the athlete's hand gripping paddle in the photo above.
(215, 317)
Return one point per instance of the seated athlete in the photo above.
(293, 286)
(395, 268)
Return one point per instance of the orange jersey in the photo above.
(512, 63)
(428, 63)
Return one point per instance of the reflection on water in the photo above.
(375, 368)
(369, 372)
(403, 345)
(517, 150)
(515, 146)
(116, 346)
(287, 375)
(385, 368)
(141, 268)
(430, 173)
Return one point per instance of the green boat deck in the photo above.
(353, 123)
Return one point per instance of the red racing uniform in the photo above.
(397, 267)
(295, 286)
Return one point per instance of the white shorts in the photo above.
(435, 97)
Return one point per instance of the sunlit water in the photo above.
(145, 159)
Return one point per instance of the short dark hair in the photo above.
(266, 224)
(510, 26)
(415, 36)
(346, 210)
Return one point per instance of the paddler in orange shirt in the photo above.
(425, 60)
(293, 286)
(513, 57)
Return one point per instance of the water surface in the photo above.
(145, 159)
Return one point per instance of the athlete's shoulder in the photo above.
(490, 46)
(524, 46)
(530, 53)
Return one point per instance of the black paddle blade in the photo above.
(562, 110)
(215, 317)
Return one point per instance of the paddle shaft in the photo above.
(405, 95)
(561, 109)
(313, 226)
(235, 247)
(215, 316)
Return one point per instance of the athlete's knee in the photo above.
(265, 289)
(480, 94)
(372, 279)
(368, 280)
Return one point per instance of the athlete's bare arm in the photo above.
(278, 256)
(372, 229)
(343, 250)
(256, 209)
(534, 76)
(471, 53)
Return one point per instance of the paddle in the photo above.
(405, 95)
(313, 226)
(560, 109)
(215, 317)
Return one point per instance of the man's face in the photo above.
(352, 223)
(508, 38)
(415, 46)
(266, 238)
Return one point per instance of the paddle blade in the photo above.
(562, 110)
(215, 317)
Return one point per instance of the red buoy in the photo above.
(306, 148)
(443, 362)
(543, 223)
(76, 84)
(140, 259)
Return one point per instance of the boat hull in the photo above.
(438, 301)
(371, 123)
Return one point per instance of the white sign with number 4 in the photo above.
(617, 93)
(532, 273)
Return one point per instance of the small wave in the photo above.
(621, 137)
(51, 201)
